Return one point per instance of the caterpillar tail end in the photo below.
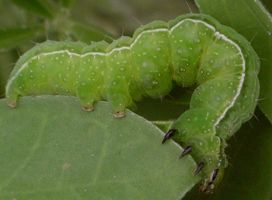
(12, 103)
(12, 95)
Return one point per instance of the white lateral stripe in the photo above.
(242, 78)
(217, 34)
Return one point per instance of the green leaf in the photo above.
(88, 33)
(50, 149)
(249, 174)
(38, 7)
(249, 18)
(12, 37)
(67, 3)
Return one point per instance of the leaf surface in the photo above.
(50, 149)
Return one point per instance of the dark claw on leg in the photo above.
(199, 168)
(169, 134)
(186, 151)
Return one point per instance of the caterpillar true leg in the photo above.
(186, 151)
(168, 135)
(199, 168)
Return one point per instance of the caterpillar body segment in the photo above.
(192, 50)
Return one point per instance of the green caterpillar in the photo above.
(192, 50)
